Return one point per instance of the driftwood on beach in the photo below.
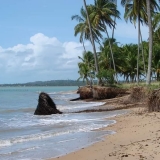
(46, 106)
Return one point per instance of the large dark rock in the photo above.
(46, 106)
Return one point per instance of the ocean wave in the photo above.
(29, 109)
(48, 122)
(71, 121)
(79, 105)
(64, 92)
(29, 120)
(61, 92)
(4, 143)
(49, 134)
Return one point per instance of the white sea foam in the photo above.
(66, 122)
(67, 140)
(4, 143)
(49, 134)
(80, 105)
(51, 120)
(64, 92)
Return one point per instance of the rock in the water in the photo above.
(46, 106)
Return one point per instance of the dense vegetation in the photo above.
(133, 62)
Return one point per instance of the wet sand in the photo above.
(137, 138)
(137, 134)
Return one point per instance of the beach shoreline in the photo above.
(136, 138)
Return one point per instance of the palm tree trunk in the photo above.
(157, 76)
(91, 35)
(144, 66)
(112, 39)
(148, 80)
(111, 52)
(114, 23)
(138, 45)
(83, 46)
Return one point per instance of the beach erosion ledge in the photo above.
(46, 105)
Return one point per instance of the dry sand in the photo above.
(137, 138)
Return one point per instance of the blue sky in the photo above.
(37, 39)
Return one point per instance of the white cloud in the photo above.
(41, 39)
(71, 48)
(44, 58)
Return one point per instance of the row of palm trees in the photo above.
(95, 20)
(125, 57)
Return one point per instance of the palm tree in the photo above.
(156, 61)
(128, 64)
(156, 21)
(156, 36)
(104, 56)
(149, 11)
(114, 22)
(103, 12)
(148, 80)
(82, 28)
(156, 27)
(136, 10)
(86, 66)
(92, 39)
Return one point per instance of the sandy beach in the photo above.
(137, 137)
(137, 133)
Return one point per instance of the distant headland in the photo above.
(48, 83)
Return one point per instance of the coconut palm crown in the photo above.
(82, 27)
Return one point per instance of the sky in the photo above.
(37, 41)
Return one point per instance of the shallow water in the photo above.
(24, 135)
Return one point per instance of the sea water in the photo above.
(25, 136)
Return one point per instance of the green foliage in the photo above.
(137, 9)
(156, 62)
(103, 13)
(156, 28)
(127, 63)
(82, 28)
(86, 66)
(107, 76)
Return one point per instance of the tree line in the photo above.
(134, 62)
(48, 83)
